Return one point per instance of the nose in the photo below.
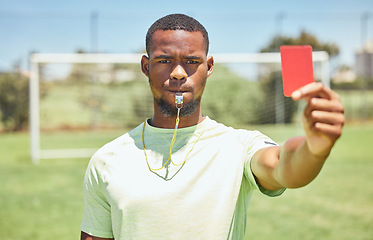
(178, 73)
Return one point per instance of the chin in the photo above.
(170, 110)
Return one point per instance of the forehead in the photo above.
(171, 41)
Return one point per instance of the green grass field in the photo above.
(45, 201)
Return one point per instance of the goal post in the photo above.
(37, 59)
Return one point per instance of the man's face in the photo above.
(177, 63)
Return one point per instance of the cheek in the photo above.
(201, 76)
(199, 84)
(159, 75)
(155, 88)
(201, 88)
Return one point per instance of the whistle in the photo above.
(179, 98)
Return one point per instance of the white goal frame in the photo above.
(39, 58)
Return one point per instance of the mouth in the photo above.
(173, 92)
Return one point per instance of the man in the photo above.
(181, 175)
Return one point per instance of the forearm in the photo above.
(300, 159)
(297, 166)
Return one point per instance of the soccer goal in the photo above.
(102, 91)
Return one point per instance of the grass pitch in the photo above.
(40, 201)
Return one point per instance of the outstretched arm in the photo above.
(300, 159)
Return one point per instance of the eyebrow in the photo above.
(192, 57)
(163, 56)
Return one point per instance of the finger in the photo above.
(316, 89)
(326, 105)
(311, 117)
(328, 129)
(333, 118)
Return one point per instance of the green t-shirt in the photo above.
(202, 194)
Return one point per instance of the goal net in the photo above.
(102, 95)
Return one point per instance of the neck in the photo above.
(160, 121)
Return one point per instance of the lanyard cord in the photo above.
(171, 146)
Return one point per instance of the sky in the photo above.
(120, 26)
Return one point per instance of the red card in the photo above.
(297, 69)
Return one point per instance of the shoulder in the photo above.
(242, 135)
(249, 141)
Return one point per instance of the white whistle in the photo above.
(179, 98)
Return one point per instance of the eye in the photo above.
(192, 62)
(164, 61)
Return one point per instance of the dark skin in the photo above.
(178, 62)
(300, 159)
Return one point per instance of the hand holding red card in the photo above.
(297, 68)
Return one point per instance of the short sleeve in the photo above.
(257, 141)
(97, 211)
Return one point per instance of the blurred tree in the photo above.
(14, 99)
(304, 38)
(231, 99)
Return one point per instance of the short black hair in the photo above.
(176, 22)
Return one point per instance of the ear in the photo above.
(210, 65)
(145, 65)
